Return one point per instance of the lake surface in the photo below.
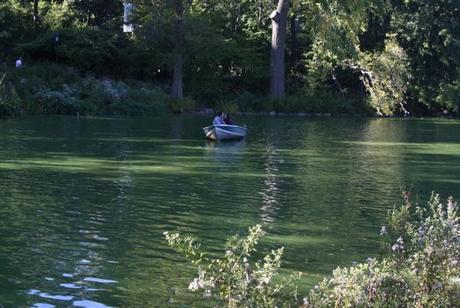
(84, 202)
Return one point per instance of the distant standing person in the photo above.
(19, 62)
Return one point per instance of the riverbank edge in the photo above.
(273, 114)
(51, 88)
(326, 115)
(57, 89)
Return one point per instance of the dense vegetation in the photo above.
(391, 56)
(419, 267)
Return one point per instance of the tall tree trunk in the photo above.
(293, 54)
(35, 13)
(279, 19)
(177, 91)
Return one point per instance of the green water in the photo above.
(84, 201)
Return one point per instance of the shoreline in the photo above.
(322, 115)
(272, 114)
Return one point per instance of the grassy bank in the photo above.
(57, 89)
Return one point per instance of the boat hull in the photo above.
(225, 132)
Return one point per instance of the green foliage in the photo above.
(85, 49)
(14, 20)
(234, 278)
(421, 269)
(335, 33)
(406, 52)
(9, 100)
(320, 63)
(43, 88)
(449, 94)
(57, 15)
(336, 30)
(320, 102)
(140, 99)
(429, 31)
(100, 13)
(384, 73)
(385, 76)
(57, 89)
(227, 106)
(181, 105)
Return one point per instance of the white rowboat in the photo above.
(224, 132)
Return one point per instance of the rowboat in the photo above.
(224, 132)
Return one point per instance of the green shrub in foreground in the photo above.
(420, 268)
(235, 279)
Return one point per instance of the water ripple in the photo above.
(91, 213)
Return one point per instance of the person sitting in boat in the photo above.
(218, 119)
(227, 119)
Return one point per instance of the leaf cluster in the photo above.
(234, 278)
(421, 268)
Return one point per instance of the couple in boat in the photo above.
(222, 118)
(223, 128)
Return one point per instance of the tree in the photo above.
(97, 13)
(279, 19)
(36, 13)
(177, 91)
(429, 31)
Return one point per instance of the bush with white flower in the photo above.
(420, 267)
(235, 279)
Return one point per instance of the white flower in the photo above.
(194, 285)
(305, 301)
(398, 246)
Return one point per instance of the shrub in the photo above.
(35, 81)
(227, 106)
(50, 74)
(9, 100)
(58, 89)
(420, 270)
(420, 267)
(141, 101)
(449, 94)
(119, 98)
(55, 102)
(234, 279)
(181, 105)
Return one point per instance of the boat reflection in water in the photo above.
(230, 151)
